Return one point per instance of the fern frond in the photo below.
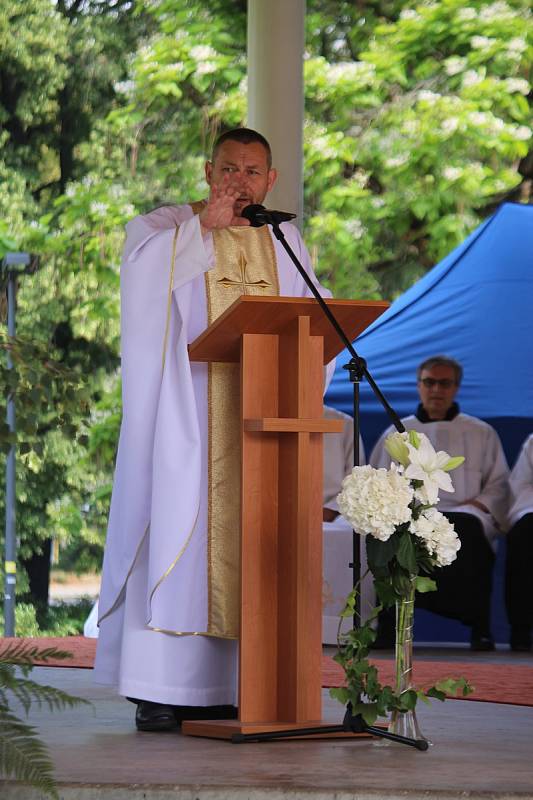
(28, 691)
(23, 654)
(23, 756)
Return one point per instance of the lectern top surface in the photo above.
(271, 315)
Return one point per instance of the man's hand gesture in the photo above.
(219, 211)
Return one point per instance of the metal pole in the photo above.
(10, 563)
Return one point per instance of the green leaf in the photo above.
(408, 699)
(424, 585)
(369, 711)
(340, 693)
(453, 686)
(436, 693)
(406, 553)
(380, 553)
(453, 463)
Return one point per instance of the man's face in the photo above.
(244, 167)
(437, 389)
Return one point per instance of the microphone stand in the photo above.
(357, 370)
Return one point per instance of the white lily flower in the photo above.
(396, 447)
(427, 465)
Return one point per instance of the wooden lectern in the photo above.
(282, 344)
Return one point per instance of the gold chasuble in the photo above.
(245, 264)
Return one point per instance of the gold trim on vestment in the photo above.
(245, 264)
(126, 579)
(169, 298)
(169, 570)
(188, 633)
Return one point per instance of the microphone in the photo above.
(259, 215)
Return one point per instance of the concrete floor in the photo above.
(480, 750)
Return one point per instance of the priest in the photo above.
(168, 608)
(477, 508)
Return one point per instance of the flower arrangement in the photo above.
(406, 538)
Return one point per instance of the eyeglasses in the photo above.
(444, 383)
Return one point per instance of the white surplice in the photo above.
(521, 483)
(483, 476)
(158, 514)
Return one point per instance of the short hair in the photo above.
(441, 361)
(245, 136)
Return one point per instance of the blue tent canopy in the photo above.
(475, 306)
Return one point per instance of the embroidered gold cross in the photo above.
(243, 283)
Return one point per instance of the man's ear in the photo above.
(208, 172)
(272, 177)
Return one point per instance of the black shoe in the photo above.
(520, 640)
(481, 642)
(181, 713)
(155, 716)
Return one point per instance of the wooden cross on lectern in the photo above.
(243, 283)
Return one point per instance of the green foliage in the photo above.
(61, 619)
(414, 137)
(22, 755)
(363, 690)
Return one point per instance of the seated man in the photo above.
(477, 508)
(338, 534)
(518, 598)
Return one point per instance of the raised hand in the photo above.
(219, 210)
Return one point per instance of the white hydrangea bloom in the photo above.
(375, 501)
(438, 535)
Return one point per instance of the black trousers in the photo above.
(518, 568)
(464, 588)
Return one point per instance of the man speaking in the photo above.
(170, 587)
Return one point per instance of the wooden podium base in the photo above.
(233, 729)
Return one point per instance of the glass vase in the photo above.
(405, 723)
